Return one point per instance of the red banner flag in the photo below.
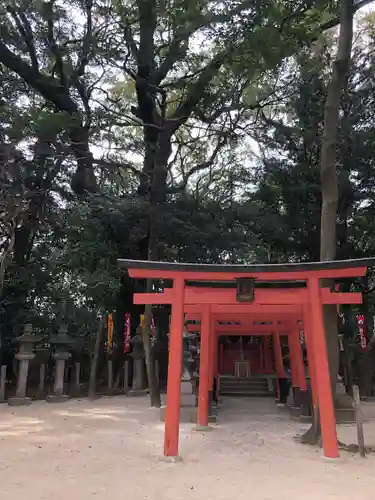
(362, 332)
(153, 327)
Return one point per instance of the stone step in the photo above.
(227, 390)
(247, 390)
(254, 394)
(256, 386)
(244, 387)
(255, 383)
(245, 381)
(261, 385)
(253, 377)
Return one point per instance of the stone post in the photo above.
(61, 354)
(157, 373)
(3, 378)
(25, 354)
(110, 374)
(42, 377)
(126, 376)
(138, 356)
(77, 378)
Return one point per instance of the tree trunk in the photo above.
(84, 176)
(95, 358)
(329, 187)
(158, 150)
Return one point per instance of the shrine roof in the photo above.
(246, 268)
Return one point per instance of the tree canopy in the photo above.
(175, 130)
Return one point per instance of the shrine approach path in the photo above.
(112, 448)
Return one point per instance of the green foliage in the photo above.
(236, 77)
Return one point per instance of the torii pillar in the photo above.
(278, 361)
(212, 355)
(323, 380)
(267, 354)
(310, 353)
(215, 363)
(204, 369)
(297, 366)
(172, 412)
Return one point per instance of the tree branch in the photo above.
(118, 165)
(47, 86)
(201, 166)
(196, 91)
(357, 5)
(176, 52)
(25, 30)
(87, 50)
(52, 45)
(128, 37)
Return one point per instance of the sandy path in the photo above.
(111, 449)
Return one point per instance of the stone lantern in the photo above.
(25, 354)
(61, 354)
(138, 355)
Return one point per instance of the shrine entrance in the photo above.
(258, 293)
(256, 352)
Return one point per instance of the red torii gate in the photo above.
(227, 325)
(283, 324)
(306, 301)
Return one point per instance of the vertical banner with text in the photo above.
(362, 332)
(109, 332)
(142, 322)
(127, 332)
(153, 327)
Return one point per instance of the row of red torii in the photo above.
(216, 293)
(247, 326)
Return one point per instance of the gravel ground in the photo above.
(112, 448)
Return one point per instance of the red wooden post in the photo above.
(172, 414)
(221, 365)
(293, 359)
(323, 380)
(216, 359)
(299, 358)
(267, 354)
(310, 354)
(278, 361)
(204, 368)
(215, 364)
(215, 349)
(261, 357)
(212, 355)
(278, 356)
